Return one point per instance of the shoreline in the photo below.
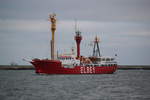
(16, 67)
(30, 67)
(133, 67)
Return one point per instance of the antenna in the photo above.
(75, 27)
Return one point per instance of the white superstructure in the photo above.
(69, 60)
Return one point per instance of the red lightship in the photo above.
(71, 64)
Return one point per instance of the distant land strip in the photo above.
(134, 67)
(30, 67)
(16, 67)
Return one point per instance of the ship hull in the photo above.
(55, 67)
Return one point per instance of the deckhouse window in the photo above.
(107, 59)
(103, 59)
(112, 59)
(99, 59)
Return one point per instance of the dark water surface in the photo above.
(122, 85)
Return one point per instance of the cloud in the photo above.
(121, 24)
(98, 10)
(89, 29)
(22, 25)
(23, 38)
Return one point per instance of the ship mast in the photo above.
(78, 39)
(96, 50)
(52, 19)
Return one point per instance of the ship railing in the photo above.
(97, 65)
(100, 65)
(108, 62)
(93, 65)
(109, 65)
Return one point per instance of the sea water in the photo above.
(122, 85)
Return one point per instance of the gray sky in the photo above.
(122, 25)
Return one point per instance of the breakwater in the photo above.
(134, 67)
(16, 67)
(30, 67)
